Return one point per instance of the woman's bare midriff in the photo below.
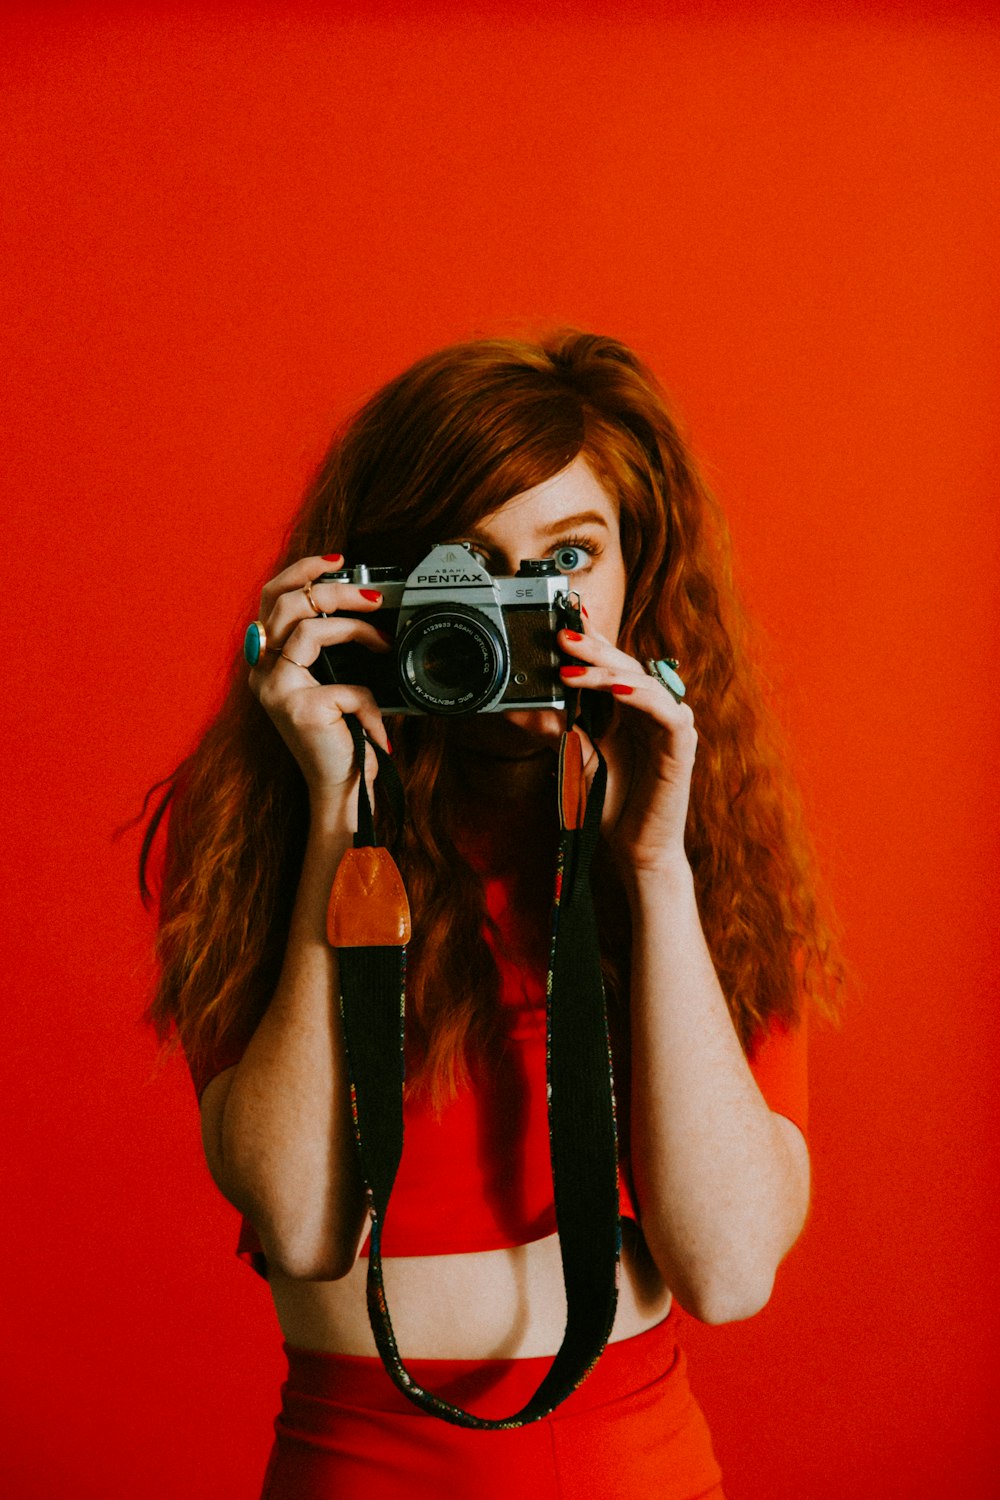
(493, 1304)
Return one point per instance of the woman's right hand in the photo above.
(309, 715)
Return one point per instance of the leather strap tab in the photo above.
(572, 784)
(368, 906)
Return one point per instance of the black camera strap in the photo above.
(369, 926)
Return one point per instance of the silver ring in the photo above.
(665, 672)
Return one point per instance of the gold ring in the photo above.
(294, 663)
(307, 590)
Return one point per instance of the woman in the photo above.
(712, 943)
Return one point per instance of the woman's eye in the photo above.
(571, 556)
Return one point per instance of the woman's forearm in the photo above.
(723, 1186)
(289, 1155)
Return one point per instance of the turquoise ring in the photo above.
(665, 671)
(254, 643)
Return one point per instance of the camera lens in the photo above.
(452, 660)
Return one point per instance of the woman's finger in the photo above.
(314, 709)
(293, 577)
(650, 697)
(304, 643)
(280, 662)
(602, 667)
(294, 605)
(595, 650)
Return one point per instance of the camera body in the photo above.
(464, 641)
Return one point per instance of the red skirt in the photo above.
(631, 1431)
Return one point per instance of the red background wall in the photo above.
(225, 226)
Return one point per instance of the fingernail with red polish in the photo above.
(372, 594)
(333, 557)
(583, 611)
(388, 742)
(572, 671)
(622, 689)
(572, 635)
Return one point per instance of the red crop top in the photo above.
(480, 1177)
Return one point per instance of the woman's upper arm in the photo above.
(213, 1107)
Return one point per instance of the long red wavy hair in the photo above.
(432, 453)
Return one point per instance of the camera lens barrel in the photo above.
(452, 659)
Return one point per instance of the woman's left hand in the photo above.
(650, 754)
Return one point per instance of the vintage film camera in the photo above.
(465, 642)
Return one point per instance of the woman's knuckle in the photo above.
(282, 615)
(300, 712)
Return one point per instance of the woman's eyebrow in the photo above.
(567, 523)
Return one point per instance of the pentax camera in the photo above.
(465, 642)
